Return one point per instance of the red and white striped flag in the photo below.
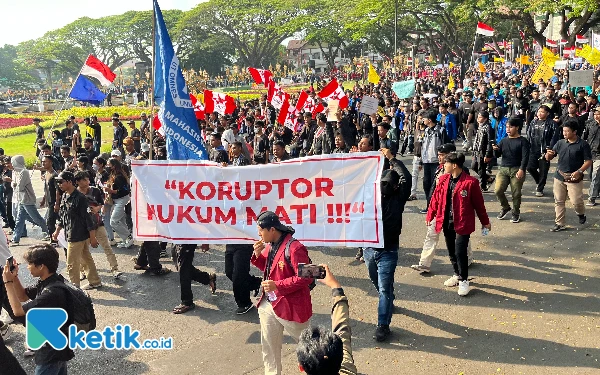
(563, 42)
(288, 115)
(313, 106)
(568, 52)
(522, 34)
(261, 76)
(276, 95)
(551, 43)
(484, 29)
(581, 39)
(198, 107)
(217, 102)
(97, 69)
(333, 90)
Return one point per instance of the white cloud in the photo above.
(23, 20)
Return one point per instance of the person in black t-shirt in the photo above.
(514, 151)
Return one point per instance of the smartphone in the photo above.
(312, 271)
(11, 262)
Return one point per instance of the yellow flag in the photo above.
(499, 59)
(543, 72)
(549, 58)
(450, 83)
(451, 65)
(592, 55)
(524, 60)
(481, 67)
(373, 76)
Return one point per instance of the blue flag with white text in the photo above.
(86, 91)
(176, 113)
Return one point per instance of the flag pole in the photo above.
(151, 87)
(473, 53)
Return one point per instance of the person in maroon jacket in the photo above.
(284, 303)
(456, 199)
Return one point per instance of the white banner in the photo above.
(330, 200)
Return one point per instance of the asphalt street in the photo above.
(534, 307)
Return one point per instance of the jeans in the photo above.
(415, 175)
(506, 176)
(51, 218)
(106, 221)
(189, 273)
(28, 212)
(237, 269)
(428, 177)
(149, 255)
(382, 266)
(457, 250)
(595, 184)
(52, 368)
(538, 169)
(117, 218)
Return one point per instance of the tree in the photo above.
(13, 71)
(255, 29)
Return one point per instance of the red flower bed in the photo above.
(8, 123)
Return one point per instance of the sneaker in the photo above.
(163, 254)
(515, 218)
(503, 213)
(5, 331)
(117, 274)
(359, 254)
(381, 333)
(113, 242)
(463, 288)
(591, 203)
(453, 281)
(539, 193)
(582, 219)
(46, 237)
(420, 268)
(243, 310)
(89, 286)
(125, 244)
(82, 276)
(412, 198)
(28, 353)
(423, 211)
(558, 228)
(163, 271)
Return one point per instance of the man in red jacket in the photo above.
(285, 302)
(456, 199)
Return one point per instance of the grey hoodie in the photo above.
(22, 188)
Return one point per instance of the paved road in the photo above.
(534, 308)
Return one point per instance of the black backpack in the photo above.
(288, 260)
(80, 306)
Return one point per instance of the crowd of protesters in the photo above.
(508, 125)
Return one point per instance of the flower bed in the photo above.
(9, 123)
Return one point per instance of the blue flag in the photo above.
(404, 89)
(86, 91)
(176, 113)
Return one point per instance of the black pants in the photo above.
(51, 221)
(149, 255)
(409, 141)
(237, 269)
(428, 177)
(481, 168)
(189, 273)
(9, 215)
(538, 169)
(128, 218)
(10, 365)
(457, 250)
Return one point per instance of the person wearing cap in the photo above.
(39, 134)
(290, 308)
(136, 135)
(144, 152)
(591, 135)
(80, 232)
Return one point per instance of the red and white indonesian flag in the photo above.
(568, 52)
(288, 115)
(551, 43)
(97, 69)
(563, 42)
(261, 76)
(581, 39)
(333, 90)
(484, 29)
(313, 106)
(199, 110)
(217, 102)
(276, 95)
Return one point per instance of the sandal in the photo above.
(181, 309)
(212, 282)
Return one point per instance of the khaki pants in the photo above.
(430, 246)
(271, 336)
(102, 237)
(79, 253)
(575, 192)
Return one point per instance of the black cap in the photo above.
(36, 119)
(269, 219)
(66, 176)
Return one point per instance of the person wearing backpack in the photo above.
(42, 262)
(285, 302)
(381, 262)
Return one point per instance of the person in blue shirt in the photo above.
(499, 99)
(498, 123)
(448, 121)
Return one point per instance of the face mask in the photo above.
(256, 130)
(95, 167)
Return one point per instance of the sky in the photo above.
(22, 20)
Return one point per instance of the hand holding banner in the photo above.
(330, 200)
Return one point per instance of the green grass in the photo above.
(23, 144)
